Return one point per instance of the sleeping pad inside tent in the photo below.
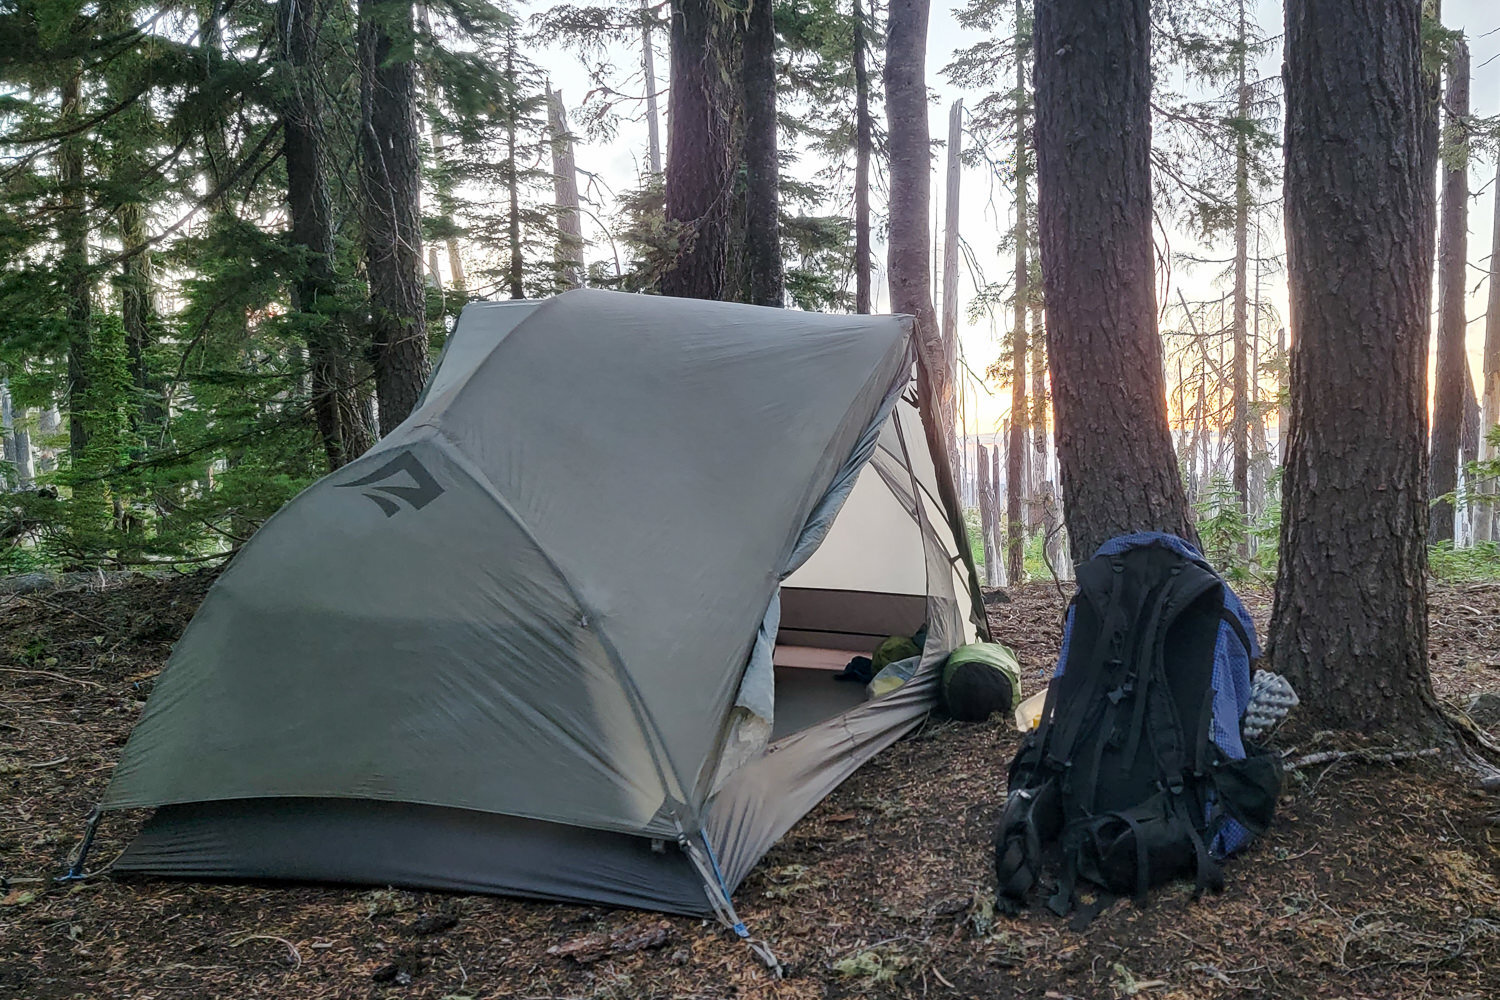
(569, 631)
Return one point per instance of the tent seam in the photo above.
(594, 622)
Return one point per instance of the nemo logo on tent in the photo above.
(423, 489)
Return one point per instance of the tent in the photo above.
(565, 633)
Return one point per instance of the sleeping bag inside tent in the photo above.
(570, 631)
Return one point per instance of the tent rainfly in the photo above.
(565, 632)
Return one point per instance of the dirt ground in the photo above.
(1377, 881)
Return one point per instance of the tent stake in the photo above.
(76, 872)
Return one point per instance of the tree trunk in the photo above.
(516, 266)
(1016, 453)
(910, 185)
(330, 348)
(987, 518)
(863, 144)
(997, 532)
(136, 312)
(762, 168)
(907, 268)
(700, 160)
(1349, 626)
(1241, 405)
(1283, 388)
(569, 256)
(648, 70)
(1448, 388)
(1040, 474)
(1468, 453)
(443, 185)
(1488, 522)
(1093, 139)
(391, 176)
(951, 187)
(78, 283)
(8, 454)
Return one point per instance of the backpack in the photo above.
(1136, 772)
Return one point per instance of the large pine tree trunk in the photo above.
(909, 246)
(910, 242)
(700, 161)
(1349, 626)
(78, 284)
(331, 353)
(390, 171)
(1449, 389)
(1487, 519)
(569, 256)
(1093, 140)
(762, 168)
(863, 147)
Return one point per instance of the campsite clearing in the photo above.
(1376, 881)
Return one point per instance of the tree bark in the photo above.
(1349, 625)
(700, 160)
(1093, 139)
(390, 172)
(330, 348)
(863, 145)
(1283, 389)
(648, 70)
(1487, 525)
(1449, 389)
(762, 167)
(569, 257)
(73, 229)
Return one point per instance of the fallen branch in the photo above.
(593, 947)
(1360, 756)
(293, 955)
(49, 763)
(54, 676)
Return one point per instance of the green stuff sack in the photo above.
(979, 680)
(897, 647)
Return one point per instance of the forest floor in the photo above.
(1376, 881)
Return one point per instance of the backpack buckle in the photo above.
(1176, 785)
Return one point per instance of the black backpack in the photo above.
(1121, 782)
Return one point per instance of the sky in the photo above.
(988, 212)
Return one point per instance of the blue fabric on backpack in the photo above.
(1231, 677)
